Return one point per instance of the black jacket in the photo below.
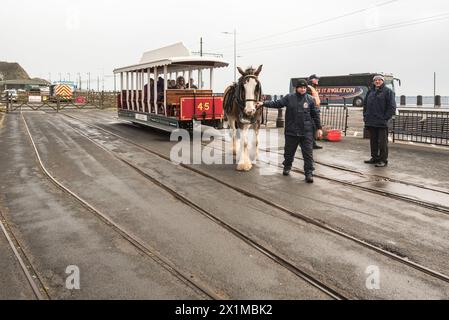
(299, 115)
(379, 107)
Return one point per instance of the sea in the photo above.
(427, 101)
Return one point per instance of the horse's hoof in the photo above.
(244, 167)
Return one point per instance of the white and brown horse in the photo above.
(241, 113)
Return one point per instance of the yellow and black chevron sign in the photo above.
(63, 90)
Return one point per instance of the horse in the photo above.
(241, 112)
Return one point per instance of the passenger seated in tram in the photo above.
(191, 84)
(171, 84)
(180, 83)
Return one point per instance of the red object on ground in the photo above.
(80, 100)
(334, 135)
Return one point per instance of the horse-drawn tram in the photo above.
(161, 90)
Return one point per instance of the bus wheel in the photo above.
(358, 102)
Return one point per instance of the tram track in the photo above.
(421, 203)
(379, 177)
(189, 280)
(424, 204)
(30, 273)
(331, 292)
(295, 214)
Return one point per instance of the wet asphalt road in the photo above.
(13, 283)
(193, 242)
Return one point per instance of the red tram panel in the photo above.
(201, 108)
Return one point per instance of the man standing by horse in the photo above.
(300, 120)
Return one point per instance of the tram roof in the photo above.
(176, 57)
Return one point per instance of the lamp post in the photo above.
(434, 88)
(88, 81)
(235, 52)
(79, 80)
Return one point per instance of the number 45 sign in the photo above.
(204, 106)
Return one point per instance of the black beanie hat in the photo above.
(301, 83)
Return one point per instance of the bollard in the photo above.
(419, 101)
(8, 102)
(280, 121)
(403, 100)
(366, 134)
(437, 101)
(102, 100)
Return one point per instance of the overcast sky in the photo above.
(96, 36)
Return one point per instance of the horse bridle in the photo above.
(241, 102)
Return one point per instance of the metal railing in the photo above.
(333, 117)
(430, 127)
(79, 100)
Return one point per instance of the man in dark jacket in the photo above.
(379, 108)
(300, 118)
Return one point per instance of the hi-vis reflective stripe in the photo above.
(63, 90)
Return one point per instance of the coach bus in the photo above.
(348, 89)
(166, 90)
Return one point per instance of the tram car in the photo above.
(161, 90)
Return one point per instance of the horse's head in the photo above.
(250, 89)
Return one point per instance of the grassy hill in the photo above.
(12, 71)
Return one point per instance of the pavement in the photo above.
(200, 246)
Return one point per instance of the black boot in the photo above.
(286, 171)
(381, 164)
(317, 147)
(371, 161)
(309, 178)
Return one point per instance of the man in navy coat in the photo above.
(379, 107)
(301, 119)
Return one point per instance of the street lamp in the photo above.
(235, 52)
(88, 81)
(79, 80)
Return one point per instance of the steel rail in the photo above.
(34, 287)
(189, 279)
(295, 214)
(265, 251)
(374, 176)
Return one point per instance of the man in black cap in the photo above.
(378, 108)
(300, 119)
(312, 89)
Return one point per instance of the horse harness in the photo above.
(239, 98)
